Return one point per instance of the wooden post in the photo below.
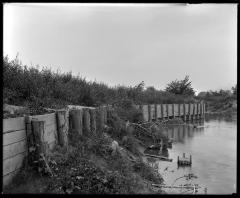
(149, 113)
(156, 115)
(173, 113)
(200, 110)
(197, 111)
(190, 159)
(76, 117)
(86, 121)
(162, 111)
(30, 142)
(179, 111)
(38, 132)
(29, 133)
(93, 120)
(167, 111)
(203, 110)
(141, 109)
(193, 111)
(62, 127)
(184, 113)
(99, 119)
(189, 111)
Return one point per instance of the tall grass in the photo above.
(24, 85)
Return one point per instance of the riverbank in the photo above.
(109, 162)
(223, 108)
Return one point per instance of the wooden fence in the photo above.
(163, 111)
(17, 133)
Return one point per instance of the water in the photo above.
(213, 150)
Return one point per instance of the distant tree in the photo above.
(234, 90)
(181, 87)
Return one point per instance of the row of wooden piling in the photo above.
(76, 120)
(167, 111)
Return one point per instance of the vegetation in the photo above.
(220, 101)
(181, 87)
(34, 87)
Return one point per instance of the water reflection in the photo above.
(179, 133)
(222, 117)
(212, 145)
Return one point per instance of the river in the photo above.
(213, 149)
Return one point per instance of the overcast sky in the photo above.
(127, 44)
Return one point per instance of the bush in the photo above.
(51, 89)
(147, 172)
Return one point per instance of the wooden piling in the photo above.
(86, 121)
(193, 116)
(149, 113)
(203, 110)
(93, 120)
(184, 113)
(62, 127)
(156, 114)
(38, 133)
(197, 111)
(99, 119)
(179, 111)
(200, 111)
(167, 111)
(173, 112)
(189, 111)
(162, 111)
(76, 120)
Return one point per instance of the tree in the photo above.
(234, 90)
(180, 87)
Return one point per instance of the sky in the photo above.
(124, 44)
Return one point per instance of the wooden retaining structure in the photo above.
(53, 128)
(48, 130)
(185, 111)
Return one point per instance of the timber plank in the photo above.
(14, 149)
(16, 136)
(48, 118)
(13, 124)
(14, 163)
(7, 179)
